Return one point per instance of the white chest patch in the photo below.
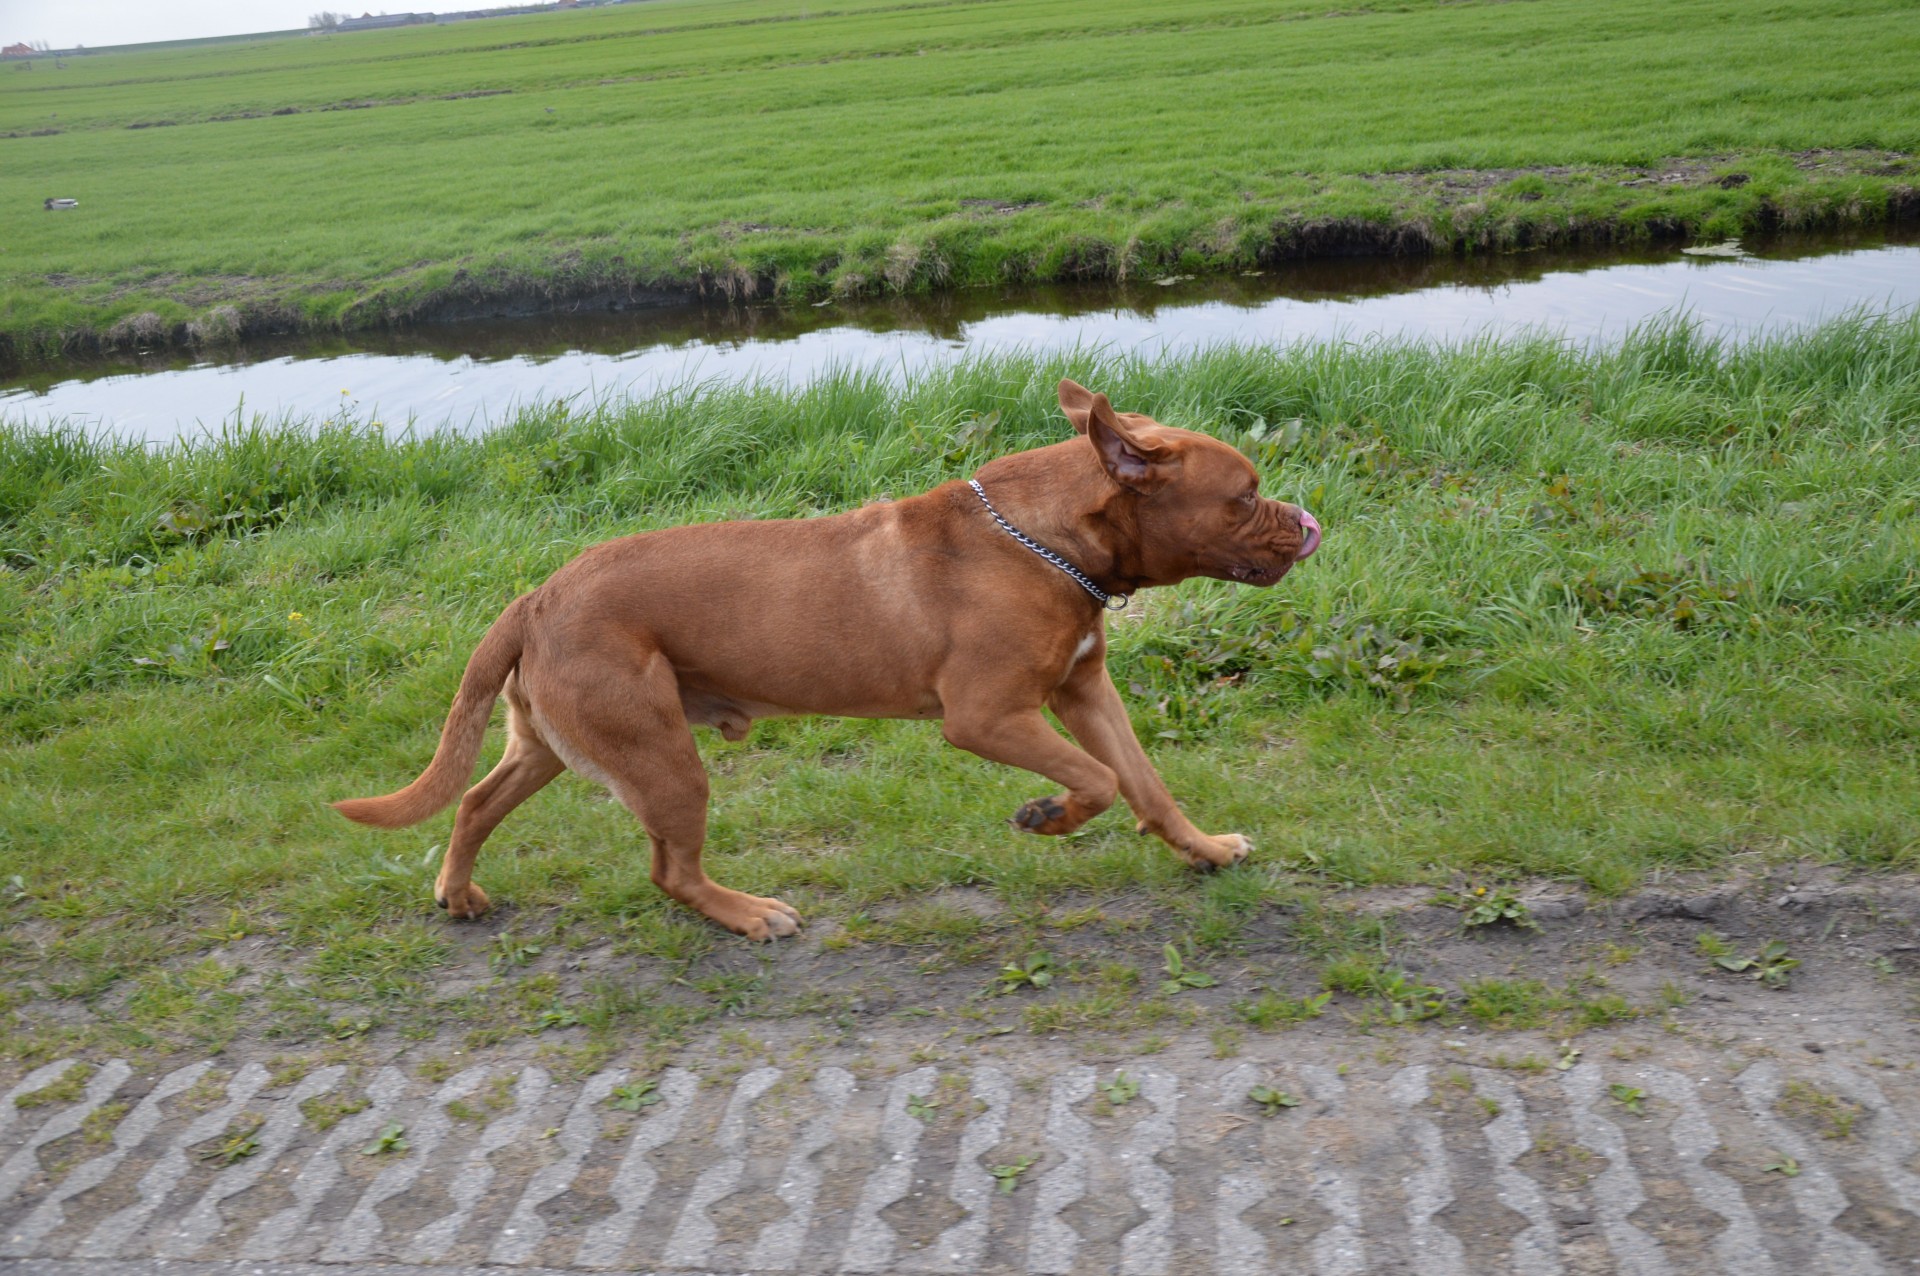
(1080, 652)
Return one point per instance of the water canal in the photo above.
(470, 374)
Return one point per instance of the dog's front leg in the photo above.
(1090, 707)
(999, 732)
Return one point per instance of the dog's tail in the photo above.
(460, 738)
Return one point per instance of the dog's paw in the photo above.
(762, 920)
(462, 903)
(1043, 815)
(1217, 852)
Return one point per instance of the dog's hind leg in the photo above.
(632, 735)
(524, 769)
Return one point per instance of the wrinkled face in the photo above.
(1198, 509)
(1209, 518)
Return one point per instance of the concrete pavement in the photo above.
(1668, 1162)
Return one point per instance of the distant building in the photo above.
(369, 22)
(17, 51)
(507, 11)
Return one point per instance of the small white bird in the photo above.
(63, 203)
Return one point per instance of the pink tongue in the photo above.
(1309, 534)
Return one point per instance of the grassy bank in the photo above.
(1652, 608)
(769, 147)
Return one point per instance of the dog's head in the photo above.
(1196, 501)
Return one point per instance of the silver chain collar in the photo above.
(1112, 602)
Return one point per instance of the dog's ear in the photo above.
(1129, 460)
(1077, 402)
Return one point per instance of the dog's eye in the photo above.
(1251, 497)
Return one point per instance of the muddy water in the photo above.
(470, 374)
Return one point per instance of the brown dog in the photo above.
(922, 608)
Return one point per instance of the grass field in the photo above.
(780, 147)
(1649, 608)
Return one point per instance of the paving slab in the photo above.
(1677, 1164)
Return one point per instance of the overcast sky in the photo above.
(65, 23)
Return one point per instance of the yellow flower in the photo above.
(295, 617)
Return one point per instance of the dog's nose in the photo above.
(1309, 535)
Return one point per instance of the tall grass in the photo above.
(1580, 613)
(774, 146)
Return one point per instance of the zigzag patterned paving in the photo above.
(1607, 1166)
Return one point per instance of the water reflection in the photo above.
(470, 373)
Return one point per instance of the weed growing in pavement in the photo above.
(1836, 1115)
(1270, 1100)
(99, 1125)
(1629, 1097)
(324, 1111)
(1272, 1010)
(66, 1088)
(434, 1068)
(237, 1142)
(1179, 977)
(511, 952)
(1120, 1090)
(1033, 971)
(1399, 997)
(636, 1096)
(1773, 966)
(734, 992)
(1489, 906)
(461, 1110)
(1507, 1003)
(497, 1097)
(1713, 946)
(1008, 1176)
(1607, 1008)
(391, 1140)
(960, 934)
(1112, 1010)
(554, 1017)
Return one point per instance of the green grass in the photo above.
(203, 644)
(68, 1088)
(779, 147)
